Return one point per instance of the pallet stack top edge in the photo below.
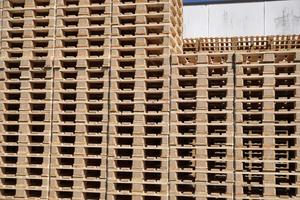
(243, 43)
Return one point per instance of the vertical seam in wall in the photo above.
(234, 123)
(264, 17)
(207, 20)
(108, 101)
(52, 99)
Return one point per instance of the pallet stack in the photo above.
(267, 120)
(201, 136)
(26, 88)
(144, 34)
(100, 99)
(80, 106)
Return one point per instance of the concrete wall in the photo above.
(241, 19)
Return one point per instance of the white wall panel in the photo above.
(236, 19)
(195, 21)
(241, 19)
(283, 17)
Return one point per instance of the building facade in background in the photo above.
(241, 18)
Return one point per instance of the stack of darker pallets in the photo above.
(235, 125)
(103, 99)
(201, 133)
(267, 125)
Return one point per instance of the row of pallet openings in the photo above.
(270, 117)
(199, 185)
(74, 118)
(140, 84)
(21, 193)
(25, 160)
(33, 171)
(78, 3)
(99, 85)
(266, 140)
(78, 167)
(139, 152)
(34, 139)
(30, 29)
(146, 9)
(17, 16)
(29, 183)
(197, 188)
(280, 140)
(43, 139)
(176, 196)
(267, 192)
(87, 39)
(21, 96)
(201, 82)
(182, 142)
(240, 57)
(39, 4)
(25, 116)
(200, 103)
(140, 164)
(136, 196)
(92, 63)
(142, 106)
(138, 130)
(35, 150)
(16, 29)
(267, 129)
(258, 94)
(14, 74)
(156, 97)
(36, 96)
(93, 186)
(81, 46)
(270, 69)
(144, 18)
(149, 63)
(210, 94)
(45, 30)
(268, 80)
(97, 188)
(14, 85)
(16, 45)
(160, 62)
